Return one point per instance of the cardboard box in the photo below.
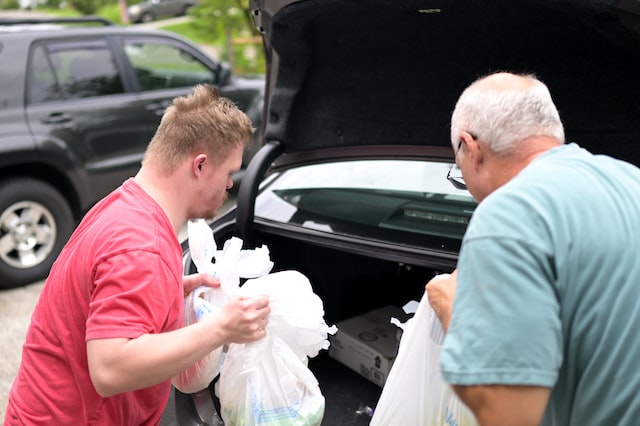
(368, 343)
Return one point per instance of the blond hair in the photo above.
(201, 121)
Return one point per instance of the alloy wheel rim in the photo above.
(27, 234)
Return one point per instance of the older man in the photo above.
(543, 329)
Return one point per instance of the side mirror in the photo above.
(224, 74)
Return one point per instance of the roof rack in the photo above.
(57, 20)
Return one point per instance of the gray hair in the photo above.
(503, 117)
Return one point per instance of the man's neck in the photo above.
(508, 166)
(166, 193)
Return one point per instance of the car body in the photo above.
(151, 10)
(78, 107)
(350, 187)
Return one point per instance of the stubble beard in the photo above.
(209, 215)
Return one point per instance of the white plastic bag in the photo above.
(415, 393)
(199, 305)
(297, 313)
(267, 382)
(231, 263)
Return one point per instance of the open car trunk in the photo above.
(379, 79)
(349, 284)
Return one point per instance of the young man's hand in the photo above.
(192, 281)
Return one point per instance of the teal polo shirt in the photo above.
(549, 289)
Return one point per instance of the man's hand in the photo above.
(244, 319)
(441, 291)
(189, 282)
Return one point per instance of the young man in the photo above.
(544, 325)
(106, 335)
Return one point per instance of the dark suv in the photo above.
(78, 107)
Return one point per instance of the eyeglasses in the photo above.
(456, 178)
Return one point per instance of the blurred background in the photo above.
(224, 27)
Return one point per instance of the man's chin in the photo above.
(207, 217)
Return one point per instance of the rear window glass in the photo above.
(401, 202)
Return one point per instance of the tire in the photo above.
(147, 17)
(35, 223)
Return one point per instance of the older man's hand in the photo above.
(441, 290)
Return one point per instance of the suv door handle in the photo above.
(57, 118)
(159, 107)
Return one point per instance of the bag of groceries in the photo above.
(267, 382)
(415, 393)
(231, 264)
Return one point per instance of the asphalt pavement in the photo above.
(16, 306)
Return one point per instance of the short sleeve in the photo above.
(505, 326)
(134, 293)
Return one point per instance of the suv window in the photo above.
(72, 70)
(159, 65)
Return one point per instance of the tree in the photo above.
(222, 22)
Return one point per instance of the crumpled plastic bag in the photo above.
(267, 382)
(415, 393)
(231, 264)
(199, 305)
(297, 313)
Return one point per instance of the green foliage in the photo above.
(249, 58)
(228, 25)
(217, 19)
(53, 4)
(188, 30)
(85, 7)
(111, 12)
(9, 4)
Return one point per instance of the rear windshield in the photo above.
(401, 202)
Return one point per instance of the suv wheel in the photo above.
(147, 17)
(35, 222)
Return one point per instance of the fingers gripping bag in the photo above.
(267, 382)
(199, 305)
(231, 264)
(415, 393)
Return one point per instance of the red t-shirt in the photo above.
(119, 275)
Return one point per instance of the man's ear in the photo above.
(475, 150)
(198, 161)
